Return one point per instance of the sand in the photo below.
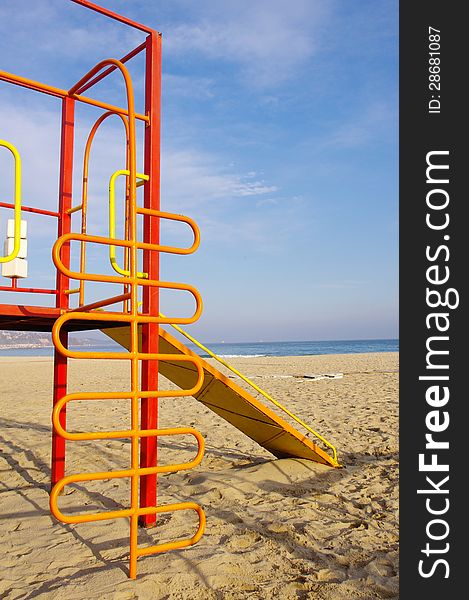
(283, 529)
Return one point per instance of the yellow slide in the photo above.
(233, 403)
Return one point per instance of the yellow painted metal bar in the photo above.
(112, 219)
(257, 388)
(74, 209)
(17, 202)
(150, 212)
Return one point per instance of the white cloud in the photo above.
(195, 183)
(191, 178)
(269, 39)
(369, 126)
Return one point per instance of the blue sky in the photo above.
(279, 136)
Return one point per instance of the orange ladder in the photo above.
(133, 282)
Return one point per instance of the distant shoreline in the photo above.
(37, 346)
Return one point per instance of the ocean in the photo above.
(248, 349)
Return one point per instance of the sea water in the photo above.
(246, 349)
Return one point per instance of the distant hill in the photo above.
(34, 339)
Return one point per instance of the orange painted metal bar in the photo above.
(60, 93)
(98, 476)
(110, 70)
(99, 67)
(32, 85)
(128, 318)
(84, 198)
(107, 435)
(180, 543)
(106, 106)
(56, 256)
(134, 512)
(134, 361)
(112, 318)
(174, 217)
(123, 395)
(128, 244)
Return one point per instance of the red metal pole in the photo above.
(151, 234)
(64, 225)
(113, 15)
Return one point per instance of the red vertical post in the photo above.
(151, 234)
(64, 225)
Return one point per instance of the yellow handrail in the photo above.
(112, 219)
(151, 213)
(17, 203)
(257, 388)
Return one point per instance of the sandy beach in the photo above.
(286, 529)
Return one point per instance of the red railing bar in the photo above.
(113, 15)
(98, 78)
(32, 209)
(14, 288)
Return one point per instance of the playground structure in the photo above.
(135, 319)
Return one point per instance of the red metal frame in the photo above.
(151, 233)
(42, 318)
(63, 282)
(31, 209)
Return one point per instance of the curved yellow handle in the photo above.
(149, 212)
(112, 220)
(17, 210)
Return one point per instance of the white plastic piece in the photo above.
(11, 228)
(16, 268)
(10, 245)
